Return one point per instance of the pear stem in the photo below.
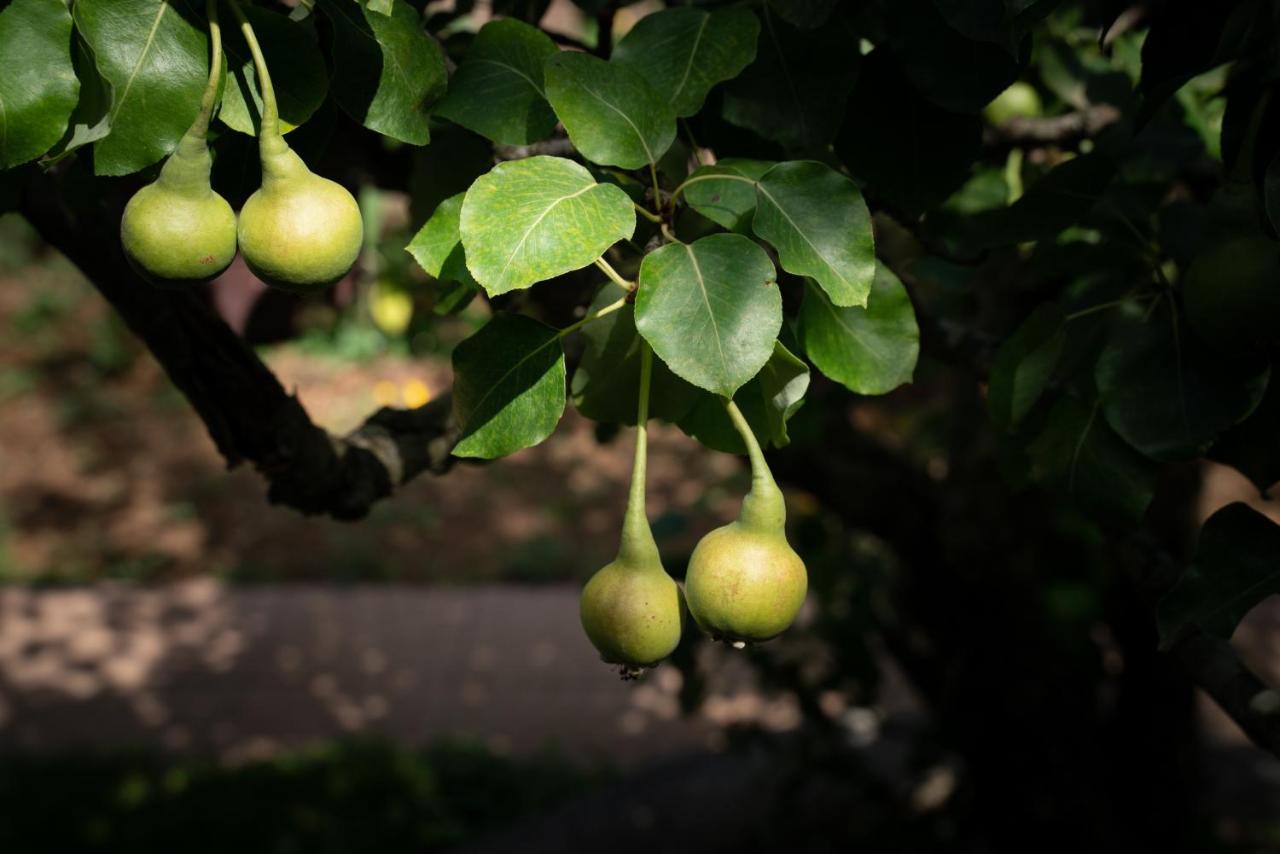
(638, 546)
(200, 127)
(269, 136)
(763, 508)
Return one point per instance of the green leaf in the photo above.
(1251, 446)
(91, 119)
(606, 383)
(498, 90)
(530, 220)
(382, 7)
(767, 402)
(710, 309)
(950, 69)
(1166, 394)
(1237, 565)
(793, 93)
(437, 247)
(1024, 364)
(729, 201)
(1058, 200)
(816, 219)
(38, 85)
(611, 114)
(157, 64)
(1079, 454)
(297, 67)
(508, 388)
(387, 70)
(870, 350)
(919, 153)
(684, 52)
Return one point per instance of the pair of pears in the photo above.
(298, 231)
(744, 585)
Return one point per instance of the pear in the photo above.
(298, 231)
(177, 230)
(632, 610)
(745, 583)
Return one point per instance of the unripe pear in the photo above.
(632, 613)
(744, 583)
(631, 609)
(298, 231)
(1020, 100)
(177, 230)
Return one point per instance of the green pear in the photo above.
(745, 583)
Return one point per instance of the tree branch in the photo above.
(1064, 130)
(248, 414)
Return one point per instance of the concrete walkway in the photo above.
(244, 671)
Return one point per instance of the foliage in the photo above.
(819, 185)
(348, 796)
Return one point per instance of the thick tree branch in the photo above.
(248, 414)
(1064, 130)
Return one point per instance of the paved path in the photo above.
(242, 671)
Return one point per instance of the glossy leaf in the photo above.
(729, 200)
(612, 115)
(606, 383)
(387, 71)
(437, 247)
(91, 119)
(1237, 565)
(530, 220)
(870, 350)
(157, 63)
(498, 89)
(710, 309)
(684, 52)
(1058, 200)
(918, 153)
(793, 92)
(1078, 453)
(767, 402)
(38, 86)
(508, 389)
(816, 219)
(1166, 394)
(298, 72)
(1024, 365)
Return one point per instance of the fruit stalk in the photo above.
(638, 545)
(270, 140)
(763, 508)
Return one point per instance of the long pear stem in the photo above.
(269, 123)
(638, 546)
(764, 506)
(200, 127)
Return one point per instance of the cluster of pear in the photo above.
(744, 583)
(298, 231)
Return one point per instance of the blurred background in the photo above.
(183, 665)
